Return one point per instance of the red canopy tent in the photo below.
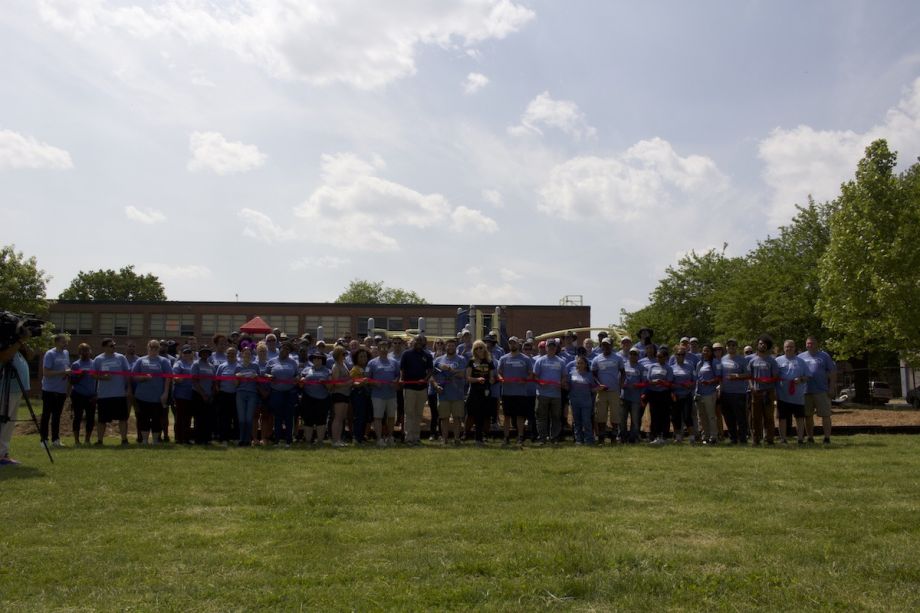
(256, 325)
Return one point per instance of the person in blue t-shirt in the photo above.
(764, 374)
(82, 393)
(708, 377)
(659, 379)
(790, 391)
(282, 398)
(183, 393)
(203, 386)
(225, 400)
(549, 370)
(682, 413)
(580, 383)
(151, 374)
(113, 391)
(734, 388)
(631, 405)
(383, 372)
(822, 382)
(514, 369)
(450, 385)
(55, 374)
(315, 402)
(247, 394)
(608, 368)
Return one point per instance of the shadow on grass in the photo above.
(8, 473)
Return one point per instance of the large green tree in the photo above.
(683, 303)
(123, 285)
(22, 283)
(870, 273)
(360, 291)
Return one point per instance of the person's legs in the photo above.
(77, 407)
(731, 411)
(6, 428)
(556, 418)
(434, 426)
(542, 418)
(823, 409)
(414, 408)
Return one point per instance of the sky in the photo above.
(476, 152)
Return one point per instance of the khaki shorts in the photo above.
(817, 403)
(450, 408)
(607, 407)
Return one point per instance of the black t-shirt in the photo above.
(480, 369)
(415, 366)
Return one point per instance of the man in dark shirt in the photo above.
(415, 369)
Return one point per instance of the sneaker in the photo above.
(381, 442)
(8, 461)
(339, 444)
(124, 442)
(827, 440)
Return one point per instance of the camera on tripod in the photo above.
(14, 327)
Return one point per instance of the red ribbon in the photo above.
(257, 379)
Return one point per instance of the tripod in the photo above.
(7, 377)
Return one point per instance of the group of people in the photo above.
(277, 390)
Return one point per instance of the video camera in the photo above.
(13, 327)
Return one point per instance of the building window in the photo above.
(121, 324)
(73, 323)
(289, 324)
(333, 327)
(221, 324)
(440, 326)
(171, 325)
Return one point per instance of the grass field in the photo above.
(628, 528)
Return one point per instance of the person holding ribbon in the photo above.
(480, 374)
(658, 395)
(226, 396)
(152, 376)
(283, 394)
(631, 407)
(247, 394)
(708, 376)
(764, 374)
(608, 368)
(682, 414)
(83, 393)
(790, 392)
(450, 385)
(514, 370)
(734, 387)
(580, 383)
(341, 394)
(383, 376)
(113, 391)
(315, 401)
(183, 393)
(549, 371)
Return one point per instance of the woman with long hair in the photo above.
(480, 374)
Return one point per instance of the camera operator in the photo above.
(17, 354)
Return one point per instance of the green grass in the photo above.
(420, 529)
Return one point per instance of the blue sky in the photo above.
(475, 152)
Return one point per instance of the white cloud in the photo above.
(563, 115)
(261, 227)
(366, 45)
(211, 151)
(508, 275)
(174, 271)
(322, 262)
(474, 82)
(485, 293)
(19, 151)
(146, 215)
(354, 201)
(802, 161)
(648, 176)
(493, 197)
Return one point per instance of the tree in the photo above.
(776, 289)
(870, 273)
(22, 283)
(123, 285)
(374, 292)
(683, 303)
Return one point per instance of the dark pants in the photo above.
(682, 414)
(435, 428)
(83, 405)
(478, 407)
(283, 404)
(660, 406)
(148, 416)
(183, 422)
(361, 411)
(734, 409)
(52, 406)
(530, 414)
(202, 411)
(226, 416)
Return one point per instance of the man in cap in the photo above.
(625, 346)
(608, 370)
(383, 371)
(631, 407)
(514, 368)
(550, 373)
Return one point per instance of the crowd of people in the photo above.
(277, 390)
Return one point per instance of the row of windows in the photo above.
(173, 325)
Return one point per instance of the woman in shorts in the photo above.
(315, 401)
(341, 393)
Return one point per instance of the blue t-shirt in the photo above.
(530, 388)
(182, 388)
(708, 377)
(450, 373)
(150, 390)
(820, 365)
(763, 368)
(204, 371)
(284, 372)
(217, 358)
(734, 366)
(659, 377)
(549, 368)
(514, 366)
(580, 384)
(383, 370)
(311, 376)
(226, 369)
(635, 373)
(607, 370)
(684, 379)
(83, 384)
(55, 360)
(249, 373)
(115, 386)
(789, 370)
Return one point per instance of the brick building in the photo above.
(90, 322)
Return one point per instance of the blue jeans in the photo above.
(283, 404)
(582, 419)
(246, 403)
(631, 410)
